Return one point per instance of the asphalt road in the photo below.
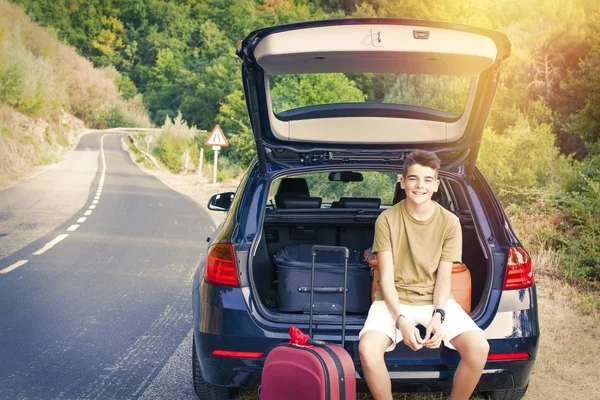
(99, 307)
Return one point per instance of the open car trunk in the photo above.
(282, 260)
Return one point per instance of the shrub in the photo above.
(581, 231)
(176, 138)
(28, 82)
(523, 160)
(227, 170)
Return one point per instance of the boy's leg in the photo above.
(473, 348)
(462, 334)
(378, 336)
(371, 347)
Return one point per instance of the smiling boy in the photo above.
(416, 242)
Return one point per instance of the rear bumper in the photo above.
(222, 321)
(245, 373)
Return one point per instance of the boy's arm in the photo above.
(441, 291)
(451, 250)
(410, 334)
(386, 283)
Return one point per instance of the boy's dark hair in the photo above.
(422, 157)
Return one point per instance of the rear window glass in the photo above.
(444, 93)
(374, 185)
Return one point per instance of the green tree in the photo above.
(523, 158)
(580, 97)
(446, 93)
(109, 41)
(293, 91)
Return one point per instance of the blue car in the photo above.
(335, 107)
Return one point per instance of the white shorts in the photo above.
(457, 321)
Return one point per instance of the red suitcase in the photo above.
(308, 369)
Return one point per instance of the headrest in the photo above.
(360, 202)
(295, 186)
(291, 187)
(300, 202)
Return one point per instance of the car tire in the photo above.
(509, 394)
(203, 389)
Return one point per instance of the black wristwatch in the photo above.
(442, 314)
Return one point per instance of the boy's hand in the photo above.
(434, 327)
(410, 335)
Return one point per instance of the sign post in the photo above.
(216, 139)
(200, 162)
(148, 140)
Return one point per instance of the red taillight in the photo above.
(508, 356)
(221, 266)
(237, 354)
(519, 274)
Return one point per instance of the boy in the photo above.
(416, 242)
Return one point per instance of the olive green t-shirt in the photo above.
(417, 248)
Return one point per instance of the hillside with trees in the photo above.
(541, 149)
(49, 94)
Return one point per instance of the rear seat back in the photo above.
(300, 202)
(360, 202)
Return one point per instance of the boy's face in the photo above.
(420, 184)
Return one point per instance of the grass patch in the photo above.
(48, 135)
(140, 158)
(252, 394)
(28, 140)
(227, 170)
(6, 131)
(48, 158)
(61, 138)
(538, 232)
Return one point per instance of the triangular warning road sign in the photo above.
(216, 138)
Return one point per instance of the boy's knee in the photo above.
(370, 350)
(478, 350)
(473, 348)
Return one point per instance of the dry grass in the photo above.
(43, 82)
(27, 144)
(40, 75)
(568, 360)
(568, 364)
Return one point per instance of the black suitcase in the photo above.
(294, 278)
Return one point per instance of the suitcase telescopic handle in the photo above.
(332, 249)
(335, 249)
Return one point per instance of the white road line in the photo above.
(103, 161)
(97, 198)
(72, 228)
(95, 202)
(13, 267)
(81, 220)
(51, 244)
(88, 212)
(92, 206)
